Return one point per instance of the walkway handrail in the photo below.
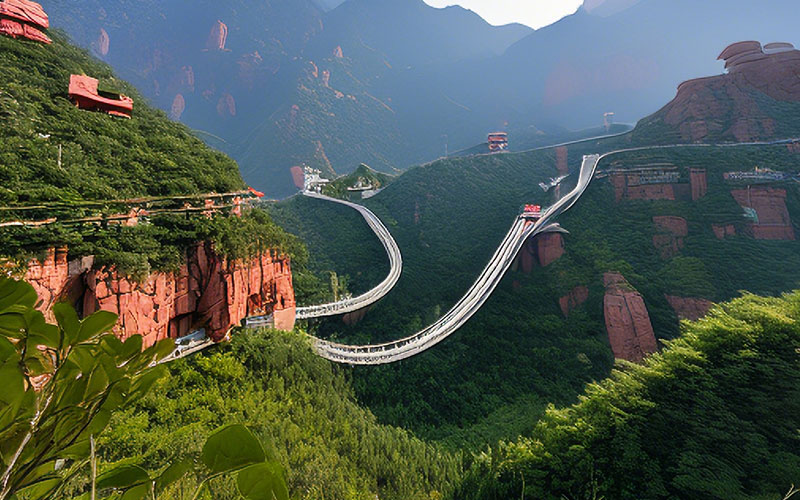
(360, 302)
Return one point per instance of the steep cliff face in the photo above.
(773, 220)
(573, 299)
(630, 331)
(670, 232)
(207, 292)
(542, 251)
(732, 107)
(688, 307)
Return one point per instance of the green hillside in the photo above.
(491, 378)
(102, 157)
(301, 404)
(715, 416)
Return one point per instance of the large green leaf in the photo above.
(12, 382)
(97, 323)
(7, 349)
(141, 492)
(122, 477)
(16, 293)
(42, 333)
(143, 383)
(172, 474)
(231, 448)
(13, 323)
(68, 320)
(41, 490)
(262, 482)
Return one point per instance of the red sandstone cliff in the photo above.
(207, 292)
(671, 231)
(630, 332)
(725, 107)
(573, 299)
(774, 222)
(542, 251)
(689, 308)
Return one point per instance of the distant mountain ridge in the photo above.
(397, 82)
(757, 99)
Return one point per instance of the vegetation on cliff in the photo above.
(716, 416)
(102, 158)
(519, 353)
(273, 383)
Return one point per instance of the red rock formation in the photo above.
(561, 160)
(549, 248)
(774, 222)
(226, 106)
(671, 232)
(573, 299)
(724, 107)
(337, 52)
(178, 106)
(187, 78)
(689, 308)
(207, 292)
(218, 36)
(723, 231)
(699, 183)
(623, 189)
(630, 332)
(326, 78)
(297, 176)
(314, 69)
(102, 43)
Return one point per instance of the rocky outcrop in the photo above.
(178, 107)
(671, 231)
(337, 52)
(540, 251)
(726, 107)
(630, 331)
(698, 182)
(623, 189)
(722, 231)
(689, 308)
(102, 44)
(218, 36)
(226, 106)
(773, 220)
(573, 299)
(207, 292)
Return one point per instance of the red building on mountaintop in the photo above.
(25, 19)
(83, 93)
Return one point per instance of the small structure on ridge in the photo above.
(24, 19)
(83, 92)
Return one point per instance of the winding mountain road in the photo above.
(373, 295)
(476, 296)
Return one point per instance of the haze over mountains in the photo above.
(389, 83)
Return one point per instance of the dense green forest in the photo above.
(105, 158)
(303, 405)
(490, 379)
(715, 415)
(102, 157)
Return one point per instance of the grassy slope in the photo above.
(103, 157)
(518, 352)
(714, 416)
(300, 405)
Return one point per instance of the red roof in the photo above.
(83, 92)
(26, 11)
(257, 193)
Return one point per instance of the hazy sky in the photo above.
(534, 13)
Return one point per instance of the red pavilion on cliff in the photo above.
(23, 19)
(83, 93)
